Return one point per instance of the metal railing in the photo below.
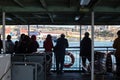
(30, 61)
(76, 52)
(29, 65)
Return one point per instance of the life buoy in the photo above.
(68, 65)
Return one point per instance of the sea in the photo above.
(77, 43)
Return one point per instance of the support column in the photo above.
(28, 30)
(80, 62)
(3, 23)
(92, 55)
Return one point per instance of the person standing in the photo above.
(48, 45)
(116, 45)
(1, 44)
(9, 45)
(60, 49)
(34, 45)
(16, 47)
(85, 50)
(22, 44)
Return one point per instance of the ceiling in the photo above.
(59, 12)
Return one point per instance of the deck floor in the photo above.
(81, 76)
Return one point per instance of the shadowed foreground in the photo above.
(81, 76)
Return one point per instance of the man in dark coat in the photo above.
(60, 49)
(116, 45)
(85, 49)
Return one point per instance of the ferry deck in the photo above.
(54, 12)
(33, 67)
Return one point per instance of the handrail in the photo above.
(30, 63)
(76, 52)
(78, 47)
(50, 58)
(94, 47)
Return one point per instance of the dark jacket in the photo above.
(116, 45)
(61, 45)
(85, 47)
(48, 45)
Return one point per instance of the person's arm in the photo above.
(67, 45)
(44, 44)
(115, 44)
(37, 44)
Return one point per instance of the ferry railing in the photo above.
(29, 67)
(76, 52)
(32, 62)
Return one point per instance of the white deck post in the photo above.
(28, 30)
(80, 65)
(92, 55)
(3, 23)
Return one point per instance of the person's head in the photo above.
(16, 42)
(8, 37)
(118, 33)
(27, 38)
(86, 34)
(22, 36)
(33, 37)
(62, 35)
(48, 36)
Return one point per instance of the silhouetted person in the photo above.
(85, 49)
(48, 45)
(16, 47)
(24, 45)
(33, 44)
(1, 44)
(60, 49)
(9, 45)
(28, 45)
(116, 45)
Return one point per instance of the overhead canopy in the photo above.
(23, 12)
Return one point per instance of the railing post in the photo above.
(3, 23)
(107, 49)
(79, 51)
(92, 55)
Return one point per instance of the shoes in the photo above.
(84, 70)
(60, 72)
(49, 73)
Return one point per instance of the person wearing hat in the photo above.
(116, 45)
